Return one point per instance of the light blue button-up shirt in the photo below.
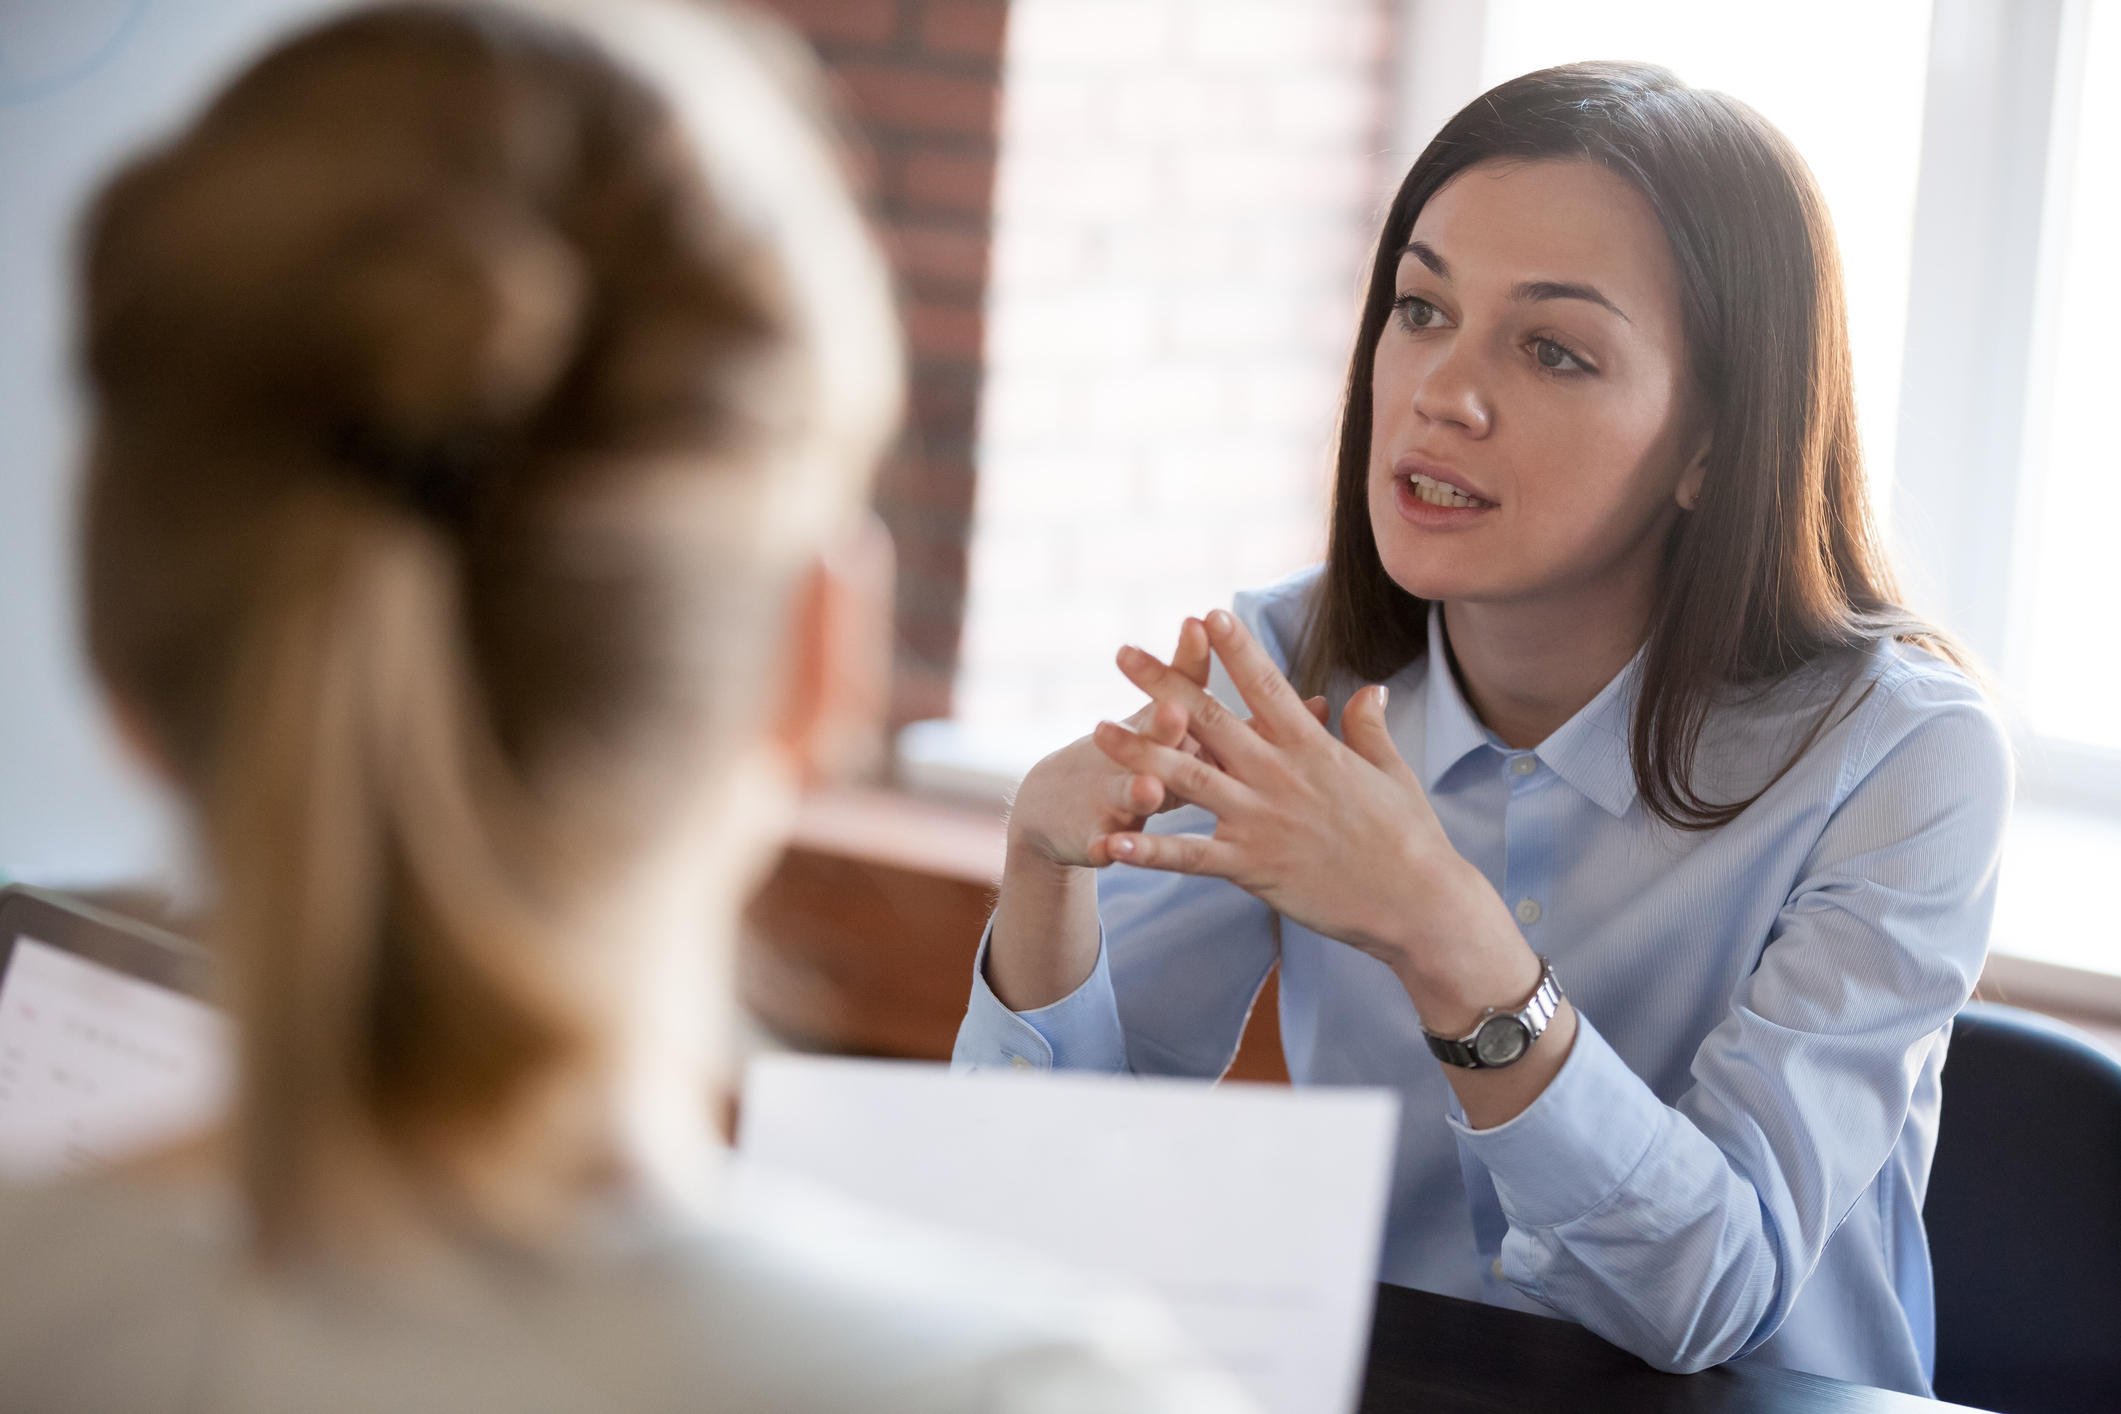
(1731, 1163)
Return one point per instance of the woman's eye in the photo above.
(1418, 313)
(1553, 355)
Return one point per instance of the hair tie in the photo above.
(442, 478)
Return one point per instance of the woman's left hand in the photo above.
(1337, 835)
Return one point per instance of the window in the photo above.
(2047, 560)
(2071, 695)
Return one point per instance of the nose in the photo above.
(1453, 394)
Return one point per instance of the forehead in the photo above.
(1503, 222)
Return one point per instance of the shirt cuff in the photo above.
(1081, 1031)
(1573, 1147)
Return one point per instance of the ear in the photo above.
(838, 683)
(137, 735)
(1688, 493)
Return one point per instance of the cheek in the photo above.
(1395, 380)
(1600, 466)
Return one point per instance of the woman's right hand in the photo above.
(1077, 795)
(1045, 930)
(1072, 799)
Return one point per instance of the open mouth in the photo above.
(1442, 493)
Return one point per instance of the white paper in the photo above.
(1255, 1211)
(97, 1066)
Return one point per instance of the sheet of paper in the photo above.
(97, 1066)
(1255, 1211)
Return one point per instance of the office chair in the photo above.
(2024, 1217)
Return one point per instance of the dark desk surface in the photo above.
(1437, 1353)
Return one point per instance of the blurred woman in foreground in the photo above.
(483, 407)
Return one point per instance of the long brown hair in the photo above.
(455, 446)
(1780, 562)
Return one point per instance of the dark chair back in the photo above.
(2024, 1217)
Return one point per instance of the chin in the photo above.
(1433, 573)
(1431, 588)
(1451, 559)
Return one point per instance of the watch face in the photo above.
(1500, 1040)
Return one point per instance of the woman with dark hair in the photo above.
(1656, 848)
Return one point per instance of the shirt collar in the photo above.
(1453, 732)
(1589, 751)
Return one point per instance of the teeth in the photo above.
(1438, 493)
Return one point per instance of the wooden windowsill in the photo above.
(962, 842)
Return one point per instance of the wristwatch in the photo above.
(1502, 1038)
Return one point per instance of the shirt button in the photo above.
(1496, 1267)
(1528, 910)
(1019, 1063)
(1524, 765)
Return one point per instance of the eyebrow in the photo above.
(1426, 254)
(1526, 290)
(1552, 289)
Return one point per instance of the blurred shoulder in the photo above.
(117, 1297)
(100, 1291)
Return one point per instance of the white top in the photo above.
(120, 1296)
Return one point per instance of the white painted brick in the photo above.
(1076, 187)
(1051, 331)
(1183, 213)
(1054, 257)
(1262, 34)
(1331, 111)
(1094, 35)
(1181, 104)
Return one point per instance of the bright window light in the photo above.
(1843, 81)
(2072, 688)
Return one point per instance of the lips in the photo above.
(1442, 493)
(1438, 486)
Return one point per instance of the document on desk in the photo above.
(1254, 1211)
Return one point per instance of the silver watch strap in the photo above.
(1534, 1017)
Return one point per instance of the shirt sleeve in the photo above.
(1078, 1032)
(1180, 959)
(1179, 962)
(1801, 1093)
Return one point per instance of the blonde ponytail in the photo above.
(380, 951)
(456, 436)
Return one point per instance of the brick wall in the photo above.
(1188, 191)
(921, 82)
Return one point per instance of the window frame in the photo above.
(2004, 91)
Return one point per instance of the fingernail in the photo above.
(1122, 846)
(1128, 652)
(1219, 620)
(1384, 694)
